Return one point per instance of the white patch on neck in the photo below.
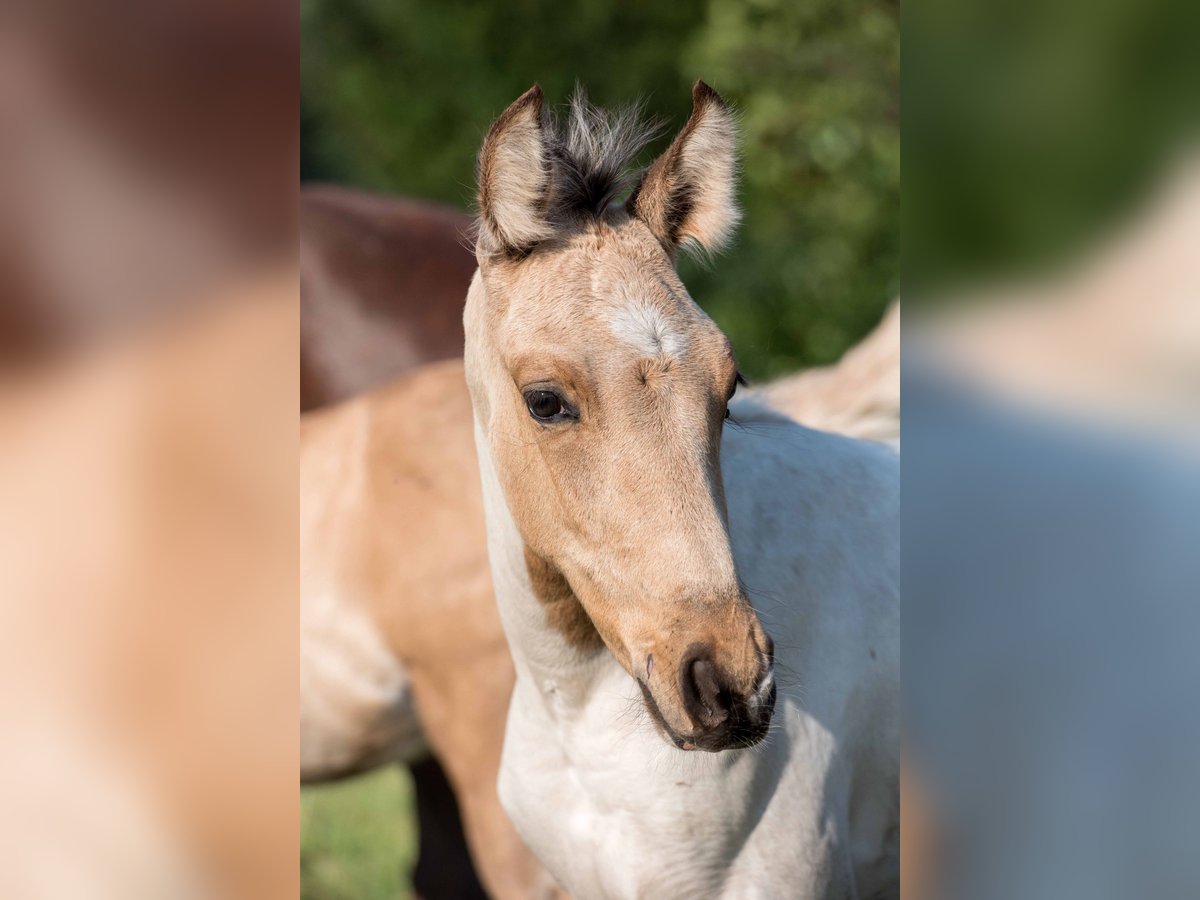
(646, 328)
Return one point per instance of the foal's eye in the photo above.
(546, 406)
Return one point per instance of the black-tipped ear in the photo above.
(515, 175)
(687, 196)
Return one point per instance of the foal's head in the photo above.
(602, 389)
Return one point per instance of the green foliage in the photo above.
(1033, 126)
(817, 84)
(358, 838)
(400, 92)
(397, 95)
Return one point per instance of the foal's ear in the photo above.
(514, 174)
(687, 195)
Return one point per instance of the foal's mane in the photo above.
(593, 151)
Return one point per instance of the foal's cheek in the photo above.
(617, 638)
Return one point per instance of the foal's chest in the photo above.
(607, 826)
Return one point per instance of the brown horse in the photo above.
(382, 282)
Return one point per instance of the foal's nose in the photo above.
(724, 715)
(707, 700)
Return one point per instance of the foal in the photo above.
(397, 608)
(629, 530)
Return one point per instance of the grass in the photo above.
(358, 838)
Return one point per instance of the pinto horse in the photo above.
(403, 653)
(701, 597)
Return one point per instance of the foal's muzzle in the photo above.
(722, 716)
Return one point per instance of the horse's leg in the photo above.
(463, 707)
(444, 869)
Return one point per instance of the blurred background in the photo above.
(1032, 129)
(148, 380)
(1051, 385)
(396, 97)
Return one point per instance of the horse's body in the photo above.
(402, 654)
(859, 396)
(381, 290)
(382, 281)
(810, 814)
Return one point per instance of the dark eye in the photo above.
(545, 406)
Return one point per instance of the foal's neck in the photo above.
(544, 657)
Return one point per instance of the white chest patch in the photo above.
(646, 328)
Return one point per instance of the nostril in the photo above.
(704, 676)
(703, 696)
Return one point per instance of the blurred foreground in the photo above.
(1052, 574)
(148, 626)
(1052, 426)
(148, 385)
